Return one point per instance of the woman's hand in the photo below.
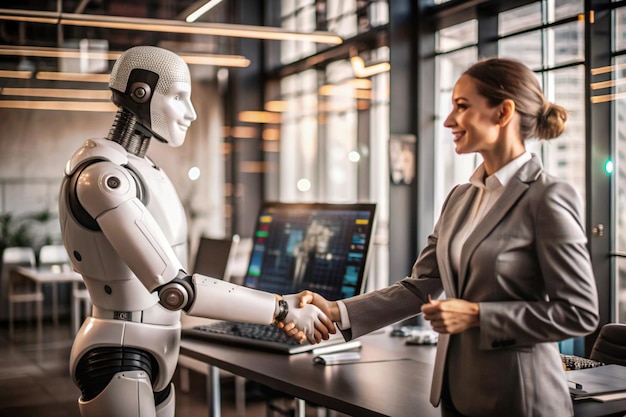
(452, 315)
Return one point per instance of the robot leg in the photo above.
(128, 394)
(166, 402)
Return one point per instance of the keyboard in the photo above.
(573, 362)
(261, 336)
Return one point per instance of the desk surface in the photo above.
(391, 379)
(388, 380)
(49, 275)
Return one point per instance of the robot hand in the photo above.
(309, 319)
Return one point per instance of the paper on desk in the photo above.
(609, 397)
(337, 358)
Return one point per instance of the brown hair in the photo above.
(499, 79)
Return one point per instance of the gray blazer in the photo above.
(528, 266)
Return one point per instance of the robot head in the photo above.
(154, 84)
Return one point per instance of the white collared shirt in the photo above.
(489, 191)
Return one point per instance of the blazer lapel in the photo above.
(459, 211)
(513, 191)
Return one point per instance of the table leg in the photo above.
(39, 314)
(55, 304)
(300, 408)
(214, 392)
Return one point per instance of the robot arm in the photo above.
(108, 192)
(204, 296)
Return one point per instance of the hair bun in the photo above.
(551, 121)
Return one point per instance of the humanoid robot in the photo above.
(125, 230)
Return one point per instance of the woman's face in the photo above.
(473, 122)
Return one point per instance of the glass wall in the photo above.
(615, 91)
(456, 48)
(334, 116)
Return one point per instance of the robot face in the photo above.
(154, 84)
(172, 113)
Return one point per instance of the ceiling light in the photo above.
(169, 26)
(24, 75)
(73, 76)
(259, 117)
(276, 106)
(191, 59)
(57, 93)
(59, 105)
(361, 71)
(202, 10)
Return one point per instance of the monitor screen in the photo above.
(314, 246)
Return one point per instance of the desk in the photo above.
(391, 379)
(47, 275)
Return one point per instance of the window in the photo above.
(619, 160)
(456, 51)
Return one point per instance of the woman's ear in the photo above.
(507, 110)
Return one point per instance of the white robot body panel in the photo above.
(161, 341)
(97, 149)
(220, 300)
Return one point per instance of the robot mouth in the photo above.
(183, 127)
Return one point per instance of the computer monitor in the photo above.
(317, 246)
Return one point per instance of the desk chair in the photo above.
(214, 258)
(610, 346)
(20, 290)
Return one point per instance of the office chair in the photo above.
(19, 290)
(610, 346)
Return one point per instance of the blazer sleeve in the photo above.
(571, 306)
(377, 309)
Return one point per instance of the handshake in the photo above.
(309, 316)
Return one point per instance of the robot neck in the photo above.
(132, 136)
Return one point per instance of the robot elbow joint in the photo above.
(177, 294)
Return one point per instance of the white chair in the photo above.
(50, 255)
(20, 290)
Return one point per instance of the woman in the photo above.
(508, 250)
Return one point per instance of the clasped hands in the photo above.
(451, 315)
(307, 320)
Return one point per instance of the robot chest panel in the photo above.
(163, 203)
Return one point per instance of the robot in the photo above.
(125, 230)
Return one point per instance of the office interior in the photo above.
(335, 101)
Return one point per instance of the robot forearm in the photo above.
(204, 296)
